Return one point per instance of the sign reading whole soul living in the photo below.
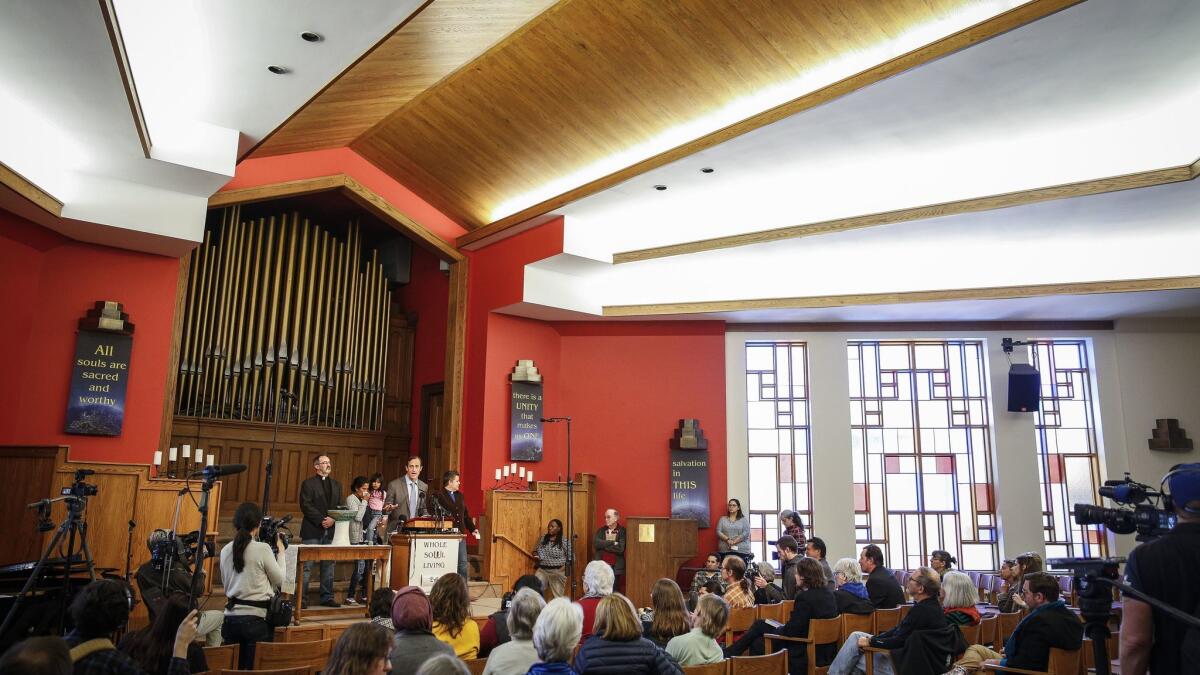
(689, 473)
(100, 372)
(526, 413)
(429, 558)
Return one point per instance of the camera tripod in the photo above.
(73, 525)
(1094, 580)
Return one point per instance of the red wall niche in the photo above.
(47, 282)
(427, 295)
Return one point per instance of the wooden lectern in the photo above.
(402, 547)
(516, 520)
(655, 548)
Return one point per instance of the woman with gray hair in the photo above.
(768, 593)
(850, 593)
(959, 596)
(598, 581)
(518, 654)
(555, 634)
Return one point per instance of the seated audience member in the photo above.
(712, 570)
(1049, 624)
(882, 588)
(381, 608)
(517, 654)
(1008, 575)
(251, 573)
(942, 561)
(98, 611)
(555, 634)
(151, 647)
(765, 590)
(737, 587)
(414, 642)
(793, 526)
(452, 621)
(959, 596)
(444, 665)
(816, 550)
(813, 601)
(699, 645)
(37, 656)
(597, 584)
(618, 646)
(176, 582)
(551, 557)
(789, 553)
(1027, 563)
(495, 631)
(851, 594)
(668, 617)
(925, 615)
(361, 650)
(713, 587)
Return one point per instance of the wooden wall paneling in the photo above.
(35, 465)
(234, 442)
(108, 512)
(397, 401)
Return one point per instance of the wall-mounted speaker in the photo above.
(396, 257)
(1024, 388)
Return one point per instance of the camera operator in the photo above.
(153, 576)
(1164, 569)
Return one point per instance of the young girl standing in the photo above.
(375, 498)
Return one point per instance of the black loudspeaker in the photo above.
(1024, 388)
(396, 257)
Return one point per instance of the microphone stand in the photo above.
(270, 469)
(570, 533)
(205, 488)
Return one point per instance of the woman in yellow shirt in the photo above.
(452, 622)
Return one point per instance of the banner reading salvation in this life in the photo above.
(689, 473)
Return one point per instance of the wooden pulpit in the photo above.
(517, 519)
(655, 548)
(413, 565)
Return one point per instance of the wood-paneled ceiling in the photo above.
(580, 96)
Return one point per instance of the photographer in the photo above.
(1164, 569)
(178, 582)
(252, 574)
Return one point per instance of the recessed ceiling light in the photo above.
(660, 188)
(707, 169)
(278, 70)
(309, 36)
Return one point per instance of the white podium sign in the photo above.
(430, 558)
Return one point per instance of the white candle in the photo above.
(497, 474)
(210, 459)
(199, 456)
(505, 469)
(521, 472)
(514, 468)
(158, 458)
(529, 475)
(174, 452)
(187, 451)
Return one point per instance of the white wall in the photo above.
(1142, 371)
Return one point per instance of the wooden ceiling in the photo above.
(587, 80)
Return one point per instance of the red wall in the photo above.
(427, 295)
(47, 282)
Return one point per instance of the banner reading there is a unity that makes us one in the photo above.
(526, 442)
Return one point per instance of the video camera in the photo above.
(79, 488)
(1147, 517)
(167, 547)
(271, 527)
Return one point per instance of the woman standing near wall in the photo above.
(733, 530)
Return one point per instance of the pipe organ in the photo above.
(278, 304)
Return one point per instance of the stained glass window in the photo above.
(1068, 456)
(777, 429)
(921, 451)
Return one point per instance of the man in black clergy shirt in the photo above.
(882, 588)
(318, 494)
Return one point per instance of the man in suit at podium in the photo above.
(609, 543)
(318, 494)
(406, 495)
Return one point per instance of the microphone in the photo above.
(219, 470)
(556, 419)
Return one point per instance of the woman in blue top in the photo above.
(733, 530)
